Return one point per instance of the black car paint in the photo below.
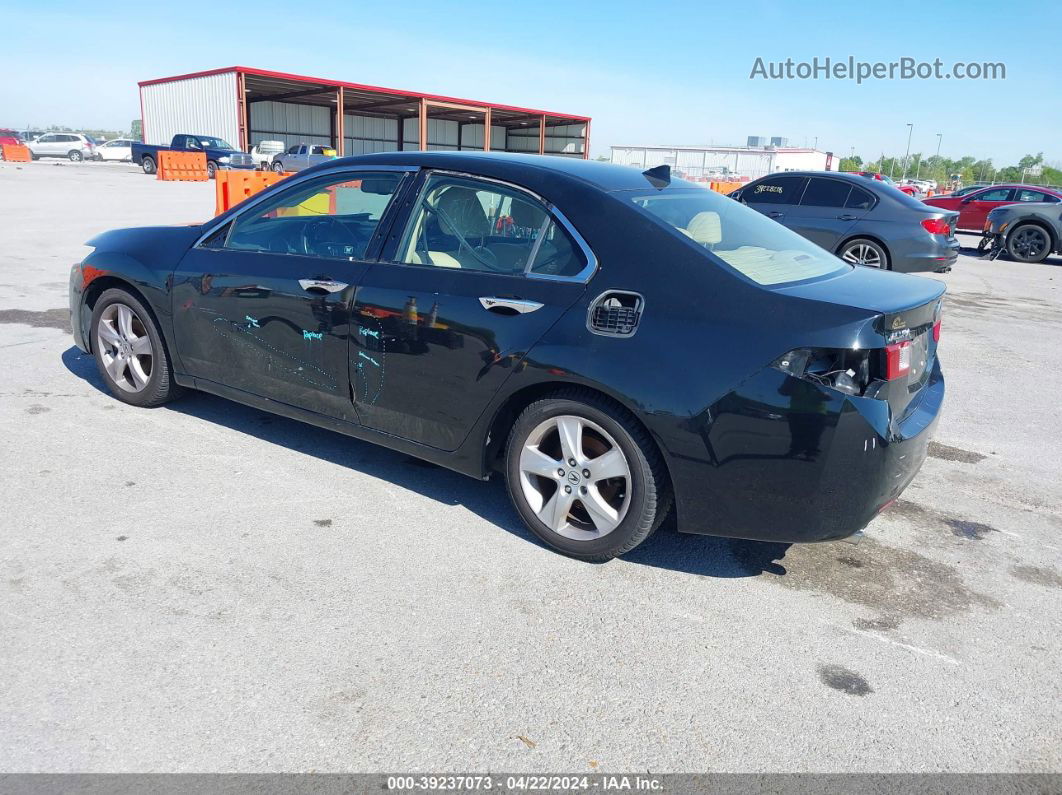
(697, 373)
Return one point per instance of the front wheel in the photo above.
(75, 156)
(862, 251)
(212, 169)
(1029, 243)
(148, 164)
(585, 476)
(129, 351)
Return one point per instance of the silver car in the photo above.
(863, 221)
(303, 156)
(72, 146)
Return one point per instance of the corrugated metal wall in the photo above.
(365, 134)
(291, 123)
(196, 105)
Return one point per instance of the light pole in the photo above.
(936, 160)
(910, 129)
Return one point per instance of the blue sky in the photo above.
(647, 72)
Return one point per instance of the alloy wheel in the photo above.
(863, 254)
(1029, 243)
(125, 347)
(575, 477)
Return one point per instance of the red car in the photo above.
(9, 137)
(908, 189)
(974, 207)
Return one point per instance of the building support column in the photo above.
(341, 136)
(542, 135)
(586, 141)
(422, 126)
(242, 114)
(486, 130)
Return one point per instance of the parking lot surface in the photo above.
(205, 587)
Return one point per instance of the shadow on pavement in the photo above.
(667, 549)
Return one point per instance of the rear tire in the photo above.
(597, 516)
(1028, 243)
(147, 162)
(75, 156)
(865, 252)
(278, 168)
(130, 353)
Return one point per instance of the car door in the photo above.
(822, 215)
(974, 208)
(262, 304)
(46, 145)
(472, 278)
(774, 196)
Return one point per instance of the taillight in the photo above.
(897, 360)
(936, 331)
(936, 226)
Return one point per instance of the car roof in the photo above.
(508, 165)
(855, 177)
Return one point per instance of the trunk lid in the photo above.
(903, 312)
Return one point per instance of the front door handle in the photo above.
(775, 214)
(321, 285)
(508, 306)
(846, 217)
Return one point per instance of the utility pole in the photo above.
(910, 130)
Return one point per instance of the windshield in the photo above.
(213, 143)
(750, 243)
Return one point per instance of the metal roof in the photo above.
(265, 85)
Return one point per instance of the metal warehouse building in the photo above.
(244, 106)
(725, 162)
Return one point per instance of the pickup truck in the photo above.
(263, 153)
(303, 156)
(218, 153)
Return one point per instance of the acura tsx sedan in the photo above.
(619, 344)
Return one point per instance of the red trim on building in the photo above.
(362, 87)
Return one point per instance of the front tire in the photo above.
(865, 252)
(129, 351)
(212, 169)
(148, 164)
(584, 475)
(1028, 243)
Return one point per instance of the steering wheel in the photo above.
(327, 236)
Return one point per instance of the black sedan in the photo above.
(619, 344)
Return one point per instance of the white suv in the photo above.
(73, 146)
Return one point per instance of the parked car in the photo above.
(303, 156)
(973, 207)
(910, 190)
(1026, 232)
(863, 221)
(9, 137)
(72, 146)
(961, 191)
(219, 154)
(263, 153)
(116, 149)
(614, 342)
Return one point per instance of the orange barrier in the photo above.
(14, 153)
(232, 187)
(725, 187)
(183, 166)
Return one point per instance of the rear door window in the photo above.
(825, 193)
(859, 199)
(775, 190)
(1025, 195)
(466, 224)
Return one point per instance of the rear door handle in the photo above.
(322, 285)
(509, 305)
(775, 214)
